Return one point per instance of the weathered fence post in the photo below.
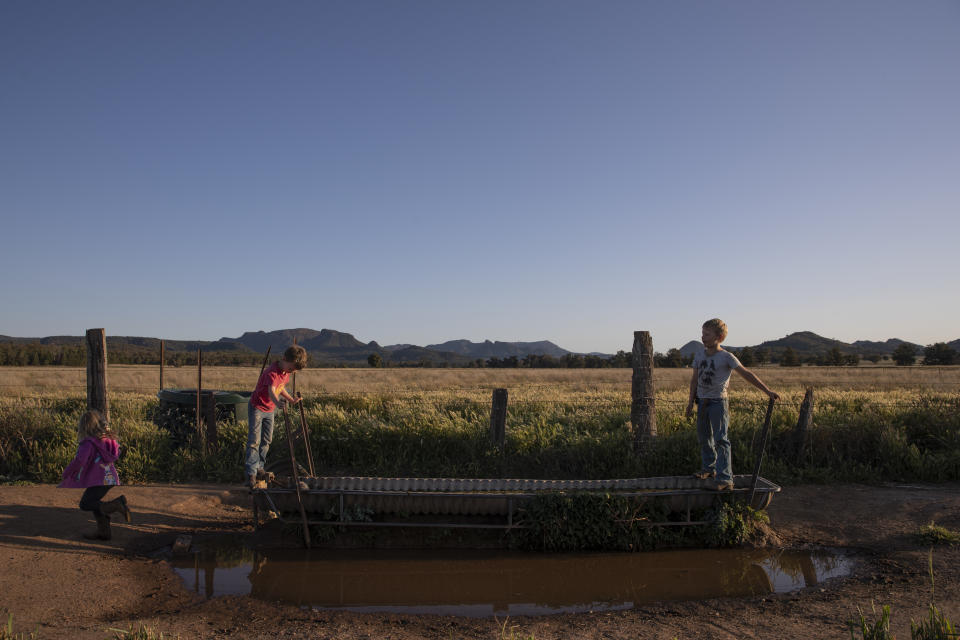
(211, 416)
(498, 417)
(801, 434)
(161, 364)
(642, 416)
(97, 372)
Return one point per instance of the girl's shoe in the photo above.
(705, 475)
(117, 505)
(103, 529)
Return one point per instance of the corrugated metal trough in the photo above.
(453, 502)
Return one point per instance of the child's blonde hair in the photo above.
(296, 355)
(93, 425)
(718, 326)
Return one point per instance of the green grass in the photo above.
(935, 627)
(141, 632)
(551, 433)
(933, 534)
(7, 632)
(879, 630)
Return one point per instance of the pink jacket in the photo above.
(93, 465)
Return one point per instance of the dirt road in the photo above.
(75, 588)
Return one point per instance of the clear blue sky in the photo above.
(510, 170)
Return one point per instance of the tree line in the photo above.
(37, 354)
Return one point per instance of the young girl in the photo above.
(92, 469)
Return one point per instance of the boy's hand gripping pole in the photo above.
(763, 446)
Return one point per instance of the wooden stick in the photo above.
(763, 445)
(306, 437)
(265, 358)
(296, 478)
(293, 377)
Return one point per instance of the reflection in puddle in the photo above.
(484, 583)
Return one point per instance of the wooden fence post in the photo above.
(801, 434)
(161, 364)
(642, 415)
(498, 418)
(97, 372)
(211, 416)
(199, 386)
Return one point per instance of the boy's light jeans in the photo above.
(713, 422)
(259, 436)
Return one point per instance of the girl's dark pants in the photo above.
(90, 500)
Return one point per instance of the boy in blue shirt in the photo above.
(711, 376)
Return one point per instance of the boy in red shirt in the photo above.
(269, 392)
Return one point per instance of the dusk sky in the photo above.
(415, 172)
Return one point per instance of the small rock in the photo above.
(182, 544)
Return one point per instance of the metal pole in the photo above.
(296, 478)
(306, 436)
(763, 445)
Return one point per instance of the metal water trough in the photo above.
(481, 502)
(178, 409)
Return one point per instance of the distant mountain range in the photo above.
(324, 346)
(328, 346)
(807, 343)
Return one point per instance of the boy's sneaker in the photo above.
(252, 481)
(722, 486)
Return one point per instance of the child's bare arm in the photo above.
(283, 394)
(750, 377)
(693, 393)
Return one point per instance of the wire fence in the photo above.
(882, 387)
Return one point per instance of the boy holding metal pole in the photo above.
(711, 376)
(268, 393)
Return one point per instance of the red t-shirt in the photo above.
(273, 376)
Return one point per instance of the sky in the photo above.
(421, 171)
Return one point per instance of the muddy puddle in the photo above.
(488, 583)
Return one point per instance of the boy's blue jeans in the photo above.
(713, 422)
(259, 437)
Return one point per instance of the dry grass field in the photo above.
(146, 379)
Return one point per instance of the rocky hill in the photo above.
(488, 349)
(807, 343)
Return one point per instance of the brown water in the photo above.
(482, 583)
